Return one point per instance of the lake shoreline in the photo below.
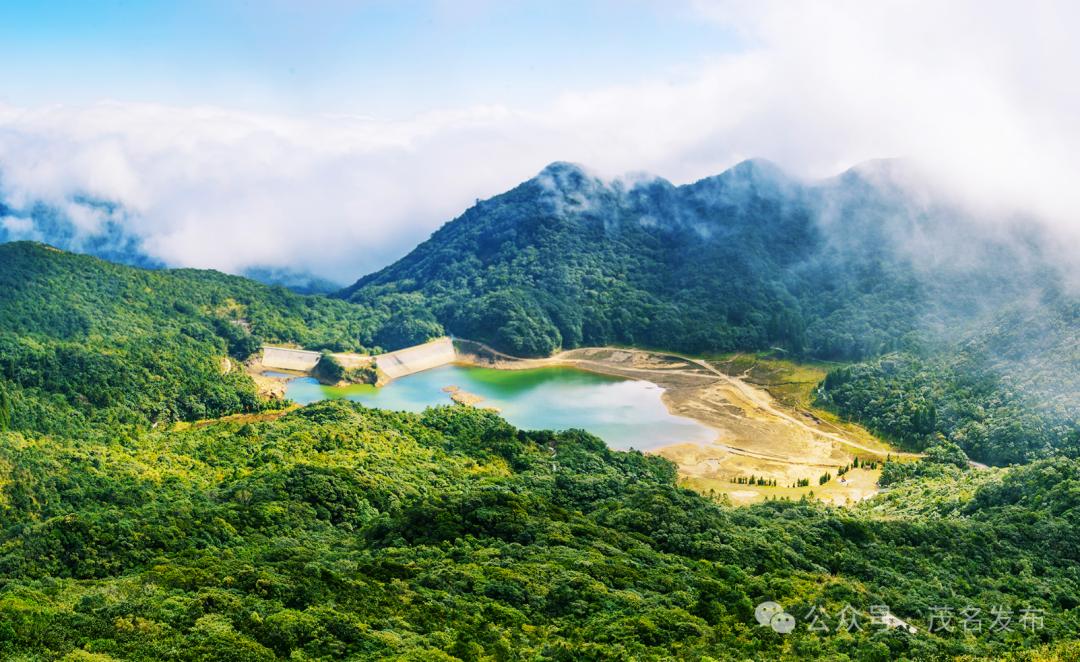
(752, 435)
(756, 435)
(625, 413)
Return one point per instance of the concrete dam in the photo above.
(390, 365)
(283, 358)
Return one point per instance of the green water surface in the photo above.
(624, 413)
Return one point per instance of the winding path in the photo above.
(754, 396)
(761, 402)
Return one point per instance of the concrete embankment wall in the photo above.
(391, 365)
(415, 359)
(289, 359)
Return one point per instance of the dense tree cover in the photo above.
(339, 532)
(65, 295)
(330, 371)
(1008, 393)
(564, 261)
(941, 459)
(850, 269)
(5, 409)
(84, 341)
(743, 261)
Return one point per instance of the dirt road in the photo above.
(757, 436)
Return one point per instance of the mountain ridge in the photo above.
(335, 531)
(849, 269)
(751, 223)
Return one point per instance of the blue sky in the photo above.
(373, 58)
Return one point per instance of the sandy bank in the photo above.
(756, 435)
(465, 398)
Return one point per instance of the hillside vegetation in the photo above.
(1006, 393)
(83, 341)
(965, 327)
(741, 261)
(339, 532)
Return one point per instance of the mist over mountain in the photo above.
(299, 281)
(967, 323)
(839, 269)
(305, 355)
(102, 228)
(83, 224)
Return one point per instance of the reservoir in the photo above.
(624, 413)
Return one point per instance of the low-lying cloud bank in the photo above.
(976, 93)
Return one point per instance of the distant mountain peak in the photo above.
(890, 171)
(756, 167)
(566, 176)
(749, 177)
(568, 186)
(561, 168)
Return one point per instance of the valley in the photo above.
(751, 445)
(539, 332)
(160, 503)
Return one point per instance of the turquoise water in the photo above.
(624, 413)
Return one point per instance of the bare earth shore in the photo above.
(756, 435)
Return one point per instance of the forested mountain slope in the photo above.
(84, 340)
(338, 532)
(841, 269)
(973, 316)
(1006, 392)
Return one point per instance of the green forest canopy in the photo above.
(83, 341)
(339, 532)
(336, 532)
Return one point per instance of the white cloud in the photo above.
(979, 92)
(19, 228)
